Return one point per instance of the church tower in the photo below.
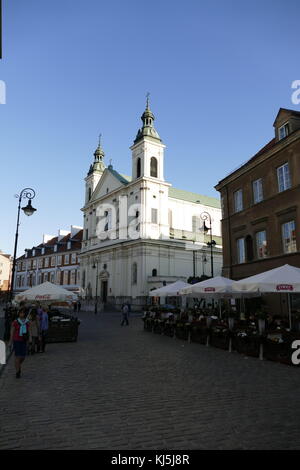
(148, 149)
(95, 172)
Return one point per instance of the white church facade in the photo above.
(140, 233)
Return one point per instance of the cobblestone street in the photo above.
(123, 388)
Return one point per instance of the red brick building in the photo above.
(260, 205)
(55, 260)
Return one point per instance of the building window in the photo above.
(86, 233)
(52, 261)
(69, 246)
(283, 176)
(40, 263)
(283, 131)
(154, 272)
(39, 281)
(55, 248)
(52, 277)
(58, 277)
(289, 237)
(46, 263)
(67, 259)
(59, 260)
(154, 216)
(66, 278)
(134, 273)
(238, 200)
(90, 193)
(261, 244)
(83, 280)
(240, 243)
(34, 263)
(153, 167)
(138, 168)
(73, 259)
(257, 191)
(73, 278)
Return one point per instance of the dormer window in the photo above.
(33, 252)
(69, 246)
(43, 251)
(55, 248)
(283, 131)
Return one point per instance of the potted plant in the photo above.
(261, 316)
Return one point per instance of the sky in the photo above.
(217, 73)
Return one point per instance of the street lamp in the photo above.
(206, 216)
(96, 303)
(29, 194)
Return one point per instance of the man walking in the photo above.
(44, 325)
(125, 311)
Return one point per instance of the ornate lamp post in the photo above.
(206, 216)
(95, 266)
(29, 194)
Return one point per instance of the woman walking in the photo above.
(19, 337)
(34, 332)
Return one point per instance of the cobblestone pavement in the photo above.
(124, 388)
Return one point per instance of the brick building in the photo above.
(55, 260)
(260, 205)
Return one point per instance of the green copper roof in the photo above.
(122, 178)
(194, 197)
(186, 195)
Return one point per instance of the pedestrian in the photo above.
(44, 325)
(125, 314)
(18, 338)
(34, 331)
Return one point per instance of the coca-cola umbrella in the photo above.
(46, 292)
(286, 279)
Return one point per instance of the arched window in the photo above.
(90, 193)
(134, 273)
(153, 167)
(138, 168)
(154, 272)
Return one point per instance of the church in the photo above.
(140, 232)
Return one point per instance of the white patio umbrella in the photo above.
(46, 291)
(215, 285)
(171, 290)
(286, 279)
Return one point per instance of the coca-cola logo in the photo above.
(284, 287)
(209, 289)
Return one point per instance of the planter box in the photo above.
(220, 339)
(199, 334)
(248, 345)
(169, 329)
(62, 330)
(158, 326)
(182, 332)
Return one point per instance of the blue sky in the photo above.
(217, 73)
